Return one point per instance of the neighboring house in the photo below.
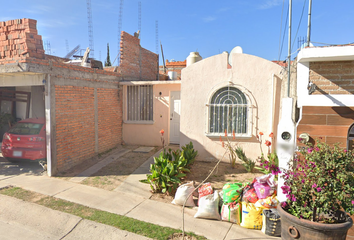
(83, 106)
(174, 67)
(325, 88)
(237, 93)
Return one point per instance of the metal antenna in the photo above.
(47, 47)
(67, 46)
(90, 27)
(139, 18)
(157, 36)
(120, 18)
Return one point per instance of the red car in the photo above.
(25, 140)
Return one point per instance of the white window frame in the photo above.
(225, 99)
(139, 104)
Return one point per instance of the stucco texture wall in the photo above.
(149, 134)
(252, 75)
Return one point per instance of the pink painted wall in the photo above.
(258, 77)
(149, 134)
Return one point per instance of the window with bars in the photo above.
(229, 110)
(140, 103)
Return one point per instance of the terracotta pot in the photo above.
(295, 228)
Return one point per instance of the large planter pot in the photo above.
(295, 228)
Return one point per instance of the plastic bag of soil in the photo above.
(271, 222)
(232, 192)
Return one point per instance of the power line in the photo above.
(281, 26)
(298, 27)
(281, 49)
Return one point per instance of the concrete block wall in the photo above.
(333, 77)
(19, 39)
(136, 63)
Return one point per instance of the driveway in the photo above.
(8, 169)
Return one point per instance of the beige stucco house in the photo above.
(236, 92)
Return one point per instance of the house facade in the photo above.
(233, 94)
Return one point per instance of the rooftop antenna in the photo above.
(309, 24)
(157, 36)
(120, 19)
(67, 46)
(139, 18)
(47, 48)
(90, 27)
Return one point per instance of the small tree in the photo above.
(107, 63)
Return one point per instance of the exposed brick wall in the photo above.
(75, 127)
(109, 118)
(136, 63)
(329, 123)
(19, 39)
(335, 77)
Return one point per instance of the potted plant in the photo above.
(319, 189)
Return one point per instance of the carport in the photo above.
(25, 95)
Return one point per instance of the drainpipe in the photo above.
(272, 112)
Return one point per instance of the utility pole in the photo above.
(309, 24)
(289, 47)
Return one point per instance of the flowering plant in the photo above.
(271, 163)
(319, 184)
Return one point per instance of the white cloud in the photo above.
(270, 3)
(209, 19)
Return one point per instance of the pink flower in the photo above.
(319, 189)
(310, 150)
(353, 202)
(283, 204)
(314, 185)
(317, 149)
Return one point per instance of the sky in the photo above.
(260, 27)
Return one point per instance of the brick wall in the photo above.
(109, 118)
(136, 63)
(333, 77)
(75, 127)
(19, 39)
(329, 123)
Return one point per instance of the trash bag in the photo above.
(232, 192)
(271, 222)
(182, 193)
(209, 207)
(251, 216)
(231, 212)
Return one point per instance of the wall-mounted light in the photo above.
(160, 93)
(304, 137)
(311, 87)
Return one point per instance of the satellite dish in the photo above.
(237, 49)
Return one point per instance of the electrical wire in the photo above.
(281, 26)
(281, 49)
(329, 44)
(298, 27)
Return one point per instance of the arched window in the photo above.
(228, 110)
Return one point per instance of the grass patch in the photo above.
(125, 223)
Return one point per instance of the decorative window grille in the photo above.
(229, 110)
(140, 103)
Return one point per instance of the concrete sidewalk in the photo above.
(131, 199)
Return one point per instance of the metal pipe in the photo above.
(289, 47)
(309, 24)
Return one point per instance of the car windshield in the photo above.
(24, 128)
